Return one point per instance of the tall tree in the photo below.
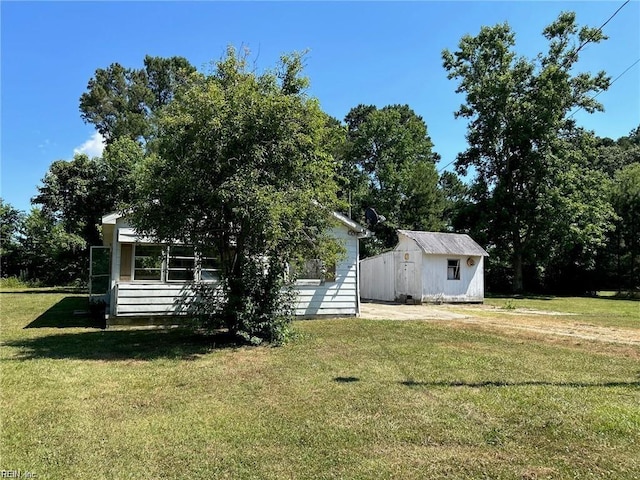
(75, 194)
(241, 165)
(517, 109)
(389, 165)
(51, 255)
(615, 155)
(119, 101)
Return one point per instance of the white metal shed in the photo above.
(426, 267)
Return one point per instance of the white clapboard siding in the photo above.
(142, 299)
(338, 298)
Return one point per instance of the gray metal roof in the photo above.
(445, 243)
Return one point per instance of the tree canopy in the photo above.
(240, 164)
(120, 101)
(518, 110)
(389, 165)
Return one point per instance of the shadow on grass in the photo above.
(346, 379)
(519, 296)
(456, 383)
(130, 344)
(70, 312)
(635, 297)
(44, 291)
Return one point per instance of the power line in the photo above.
(612, 82)
(444, 168)
(599, 29)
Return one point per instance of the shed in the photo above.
(426, 267)
(149, 279)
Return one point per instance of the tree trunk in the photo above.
(518, 277)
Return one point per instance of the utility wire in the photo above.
(612, 82)
(599, 29)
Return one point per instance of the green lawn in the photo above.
(605, 311)
(347, 399)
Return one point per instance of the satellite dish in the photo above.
(372, 217)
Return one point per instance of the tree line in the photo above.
(209, 157)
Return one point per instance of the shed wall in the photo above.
(377, 277)
(437, 288)
(408, 271)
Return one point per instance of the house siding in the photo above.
(141, 299)
(339, 298)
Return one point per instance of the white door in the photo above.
(406, 282)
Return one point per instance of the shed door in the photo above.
(406, 281)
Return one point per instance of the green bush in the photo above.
(15, 282)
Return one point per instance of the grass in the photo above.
(349, 398)
(606, 311)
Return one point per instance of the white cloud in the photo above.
(92, 147)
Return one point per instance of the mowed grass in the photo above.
(348, 398)
(606, 311)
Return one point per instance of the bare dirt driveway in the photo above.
(534, 321)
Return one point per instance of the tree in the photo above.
(625, 196)
(457, 198)
(11, 222)
(240, 166)
(75, 194)
(51, 255)
(389, 165)
(615, 155)
(575, 218)
(517, 109)
(119, 101)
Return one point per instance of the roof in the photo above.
(445, 243)
(360, 231)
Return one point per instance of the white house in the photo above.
(426, 267)
(148, 279)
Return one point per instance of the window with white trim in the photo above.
(181, 263)
(175, 263)
(209, 265)
(314, 272)
(148, 262)
(453, 269)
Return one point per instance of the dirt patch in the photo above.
(535, 321)
(388, 311)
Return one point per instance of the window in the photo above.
(148, 262)
(175, 263)
(209, 266)
(314, 272)
(181, 265)
(453, 269)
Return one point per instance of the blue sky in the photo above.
(377, 53)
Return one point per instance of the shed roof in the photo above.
(445, 243)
